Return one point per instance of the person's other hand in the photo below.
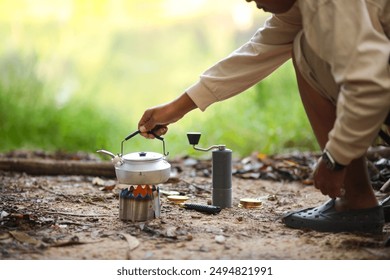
(329, 182)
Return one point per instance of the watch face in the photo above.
(328, 162)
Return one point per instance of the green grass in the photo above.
(268, 118)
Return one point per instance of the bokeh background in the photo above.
(76, 75)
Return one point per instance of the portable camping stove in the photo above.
(139, 203)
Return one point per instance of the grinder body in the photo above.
(222, 178)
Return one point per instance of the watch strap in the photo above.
(330, 162)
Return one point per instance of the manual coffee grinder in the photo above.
(221, 171)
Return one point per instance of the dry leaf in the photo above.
(23, 237)
(171, 232)
(131, 241)
(4, 236)
(97, 181)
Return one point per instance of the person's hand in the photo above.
(329, 182)
(158, 118)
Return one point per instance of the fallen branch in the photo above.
(58, 167)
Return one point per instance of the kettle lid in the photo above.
(142, 156)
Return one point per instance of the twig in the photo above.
(385, 187)
(53, 192)
(196, 186)
(76, 214)
(73, 223)
(97, 204)
(70, 198)
(73, 242)
(377, 254)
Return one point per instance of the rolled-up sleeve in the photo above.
(269, 48)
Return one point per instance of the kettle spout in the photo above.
(116, 160)
(106, 153)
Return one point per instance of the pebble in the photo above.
(220, 239)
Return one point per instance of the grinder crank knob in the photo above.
(193, 137)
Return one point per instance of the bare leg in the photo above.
(322, 114)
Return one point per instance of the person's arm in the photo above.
(269, 48)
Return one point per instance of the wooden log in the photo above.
(58, 167)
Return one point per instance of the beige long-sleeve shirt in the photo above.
(351, 36)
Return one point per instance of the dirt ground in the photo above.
(77, 217)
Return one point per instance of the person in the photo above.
(340, 52)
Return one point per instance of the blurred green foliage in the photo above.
(77, 75)
(31, 119)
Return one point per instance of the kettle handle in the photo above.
(131, 135)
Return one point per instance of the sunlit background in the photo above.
(78, 74)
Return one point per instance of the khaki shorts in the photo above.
(315, 70)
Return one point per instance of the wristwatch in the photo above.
(330, 162)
